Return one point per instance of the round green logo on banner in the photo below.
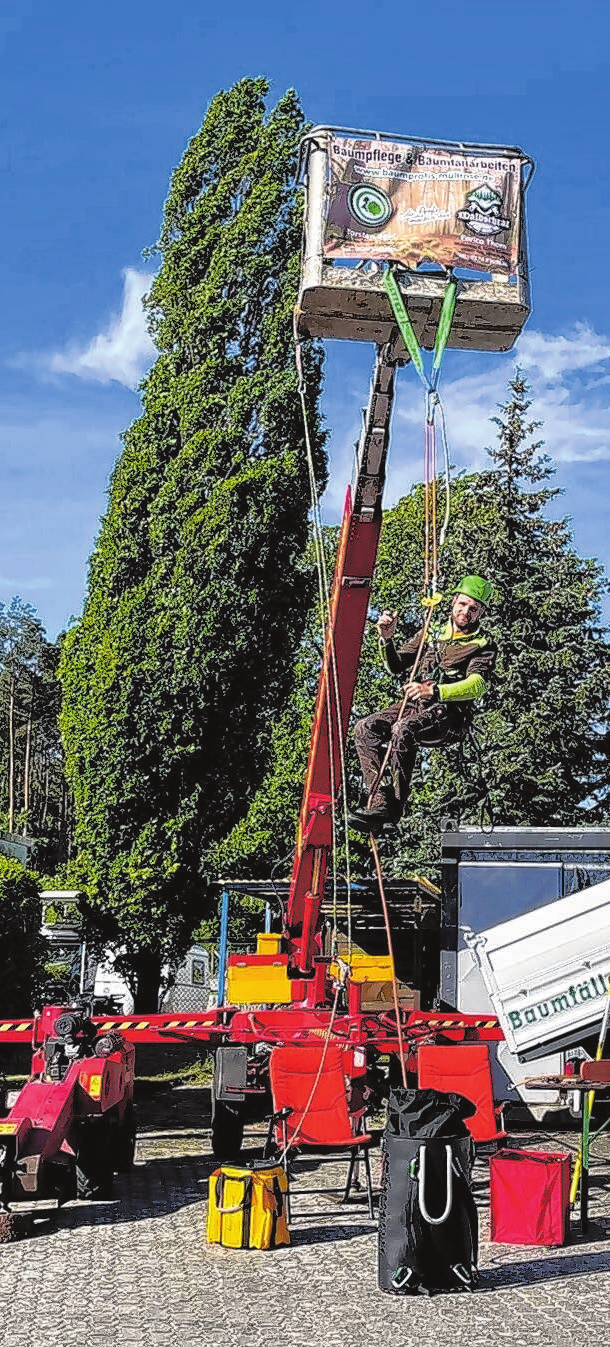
(370, 206)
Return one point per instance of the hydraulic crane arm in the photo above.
(354, 570)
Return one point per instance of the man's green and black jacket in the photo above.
(460, 664)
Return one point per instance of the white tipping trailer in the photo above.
(548, 971)
(526, 934)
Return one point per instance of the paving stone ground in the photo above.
(136, 1271)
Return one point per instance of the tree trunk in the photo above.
(27, 767)
(45, 806)
(11, 754)
(148, 973)
(70, 825)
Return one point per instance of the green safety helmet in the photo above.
(476, 588)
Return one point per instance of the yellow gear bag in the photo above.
(247, 1207)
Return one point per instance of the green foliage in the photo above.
(22, 948)
(262, 842)
(542, 726)
(68, 875)
(197, 595)
(246, 918)
(265, 836)
(57, 972)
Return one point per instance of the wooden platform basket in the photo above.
(432, 209)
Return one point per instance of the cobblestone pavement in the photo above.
(136, 1271)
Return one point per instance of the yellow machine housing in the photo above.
(258, 979)
(374, 975)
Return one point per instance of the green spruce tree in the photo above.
(541, 729)
(197, 596)
(544, 724)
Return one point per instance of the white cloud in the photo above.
(556, 356)
(122, 352)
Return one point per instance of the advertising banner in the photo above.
(409, 203)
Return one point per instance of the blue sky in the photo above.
(96, 106)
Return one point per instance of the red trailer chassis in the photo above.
(286, 1024)
(72, 1124)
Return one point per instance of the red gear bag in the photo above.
(529, 1197)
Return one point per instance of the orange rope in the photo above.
(386, 915)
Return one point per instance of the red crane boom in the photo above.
(355, 566)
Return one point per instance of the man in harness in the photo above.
(451, 675)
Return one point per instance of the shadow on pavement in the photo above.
(150, 1190)
(531, 1271)
(327, 1234)
(162, 1185)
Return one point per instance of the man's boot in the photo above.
(383, 808)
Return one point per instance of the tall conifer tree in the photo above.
(197, 591)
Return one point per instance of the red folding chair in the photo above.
(463, 1068)
(328, 1117)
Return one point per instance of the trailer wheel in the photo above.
(227, 1129)
(124, 1147)
(93, 1159)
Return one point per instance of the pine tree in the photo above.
(197, 592)
(545, 722)
(32, 785)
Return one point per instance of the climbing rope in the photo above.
(433, 546)
(325, 1045)
(432, 542)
